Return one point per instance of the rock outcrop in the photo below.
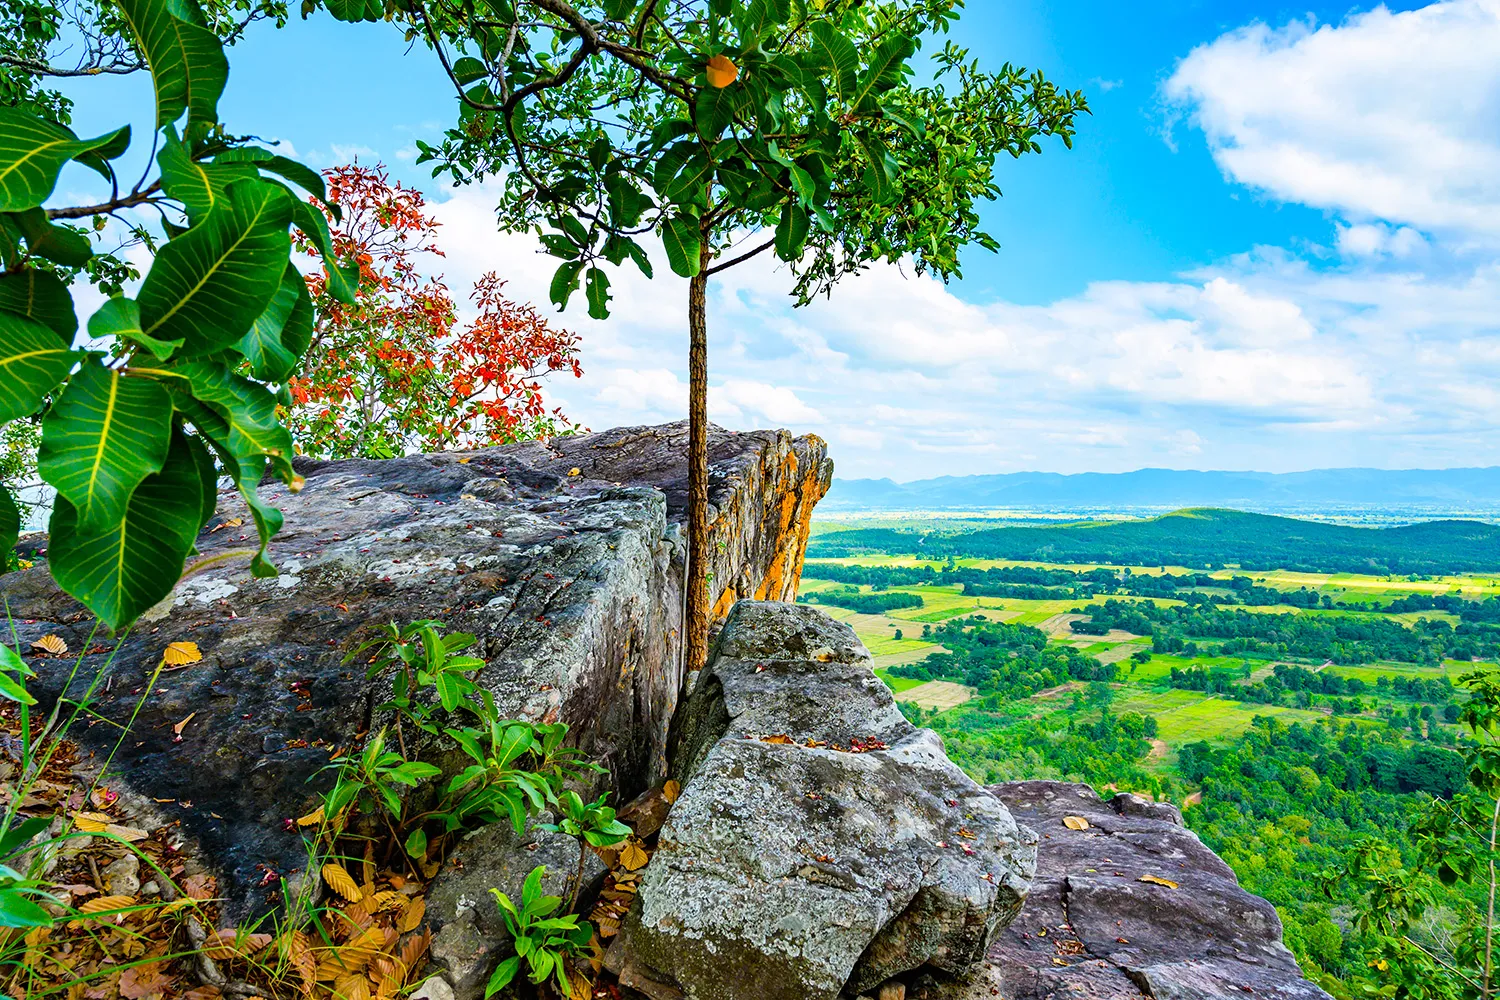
(1101, 924)
(565, 558)
(822, 845)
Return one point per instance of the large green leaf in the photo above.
(121, 317)
(299, 174)
(32, 154)
(125, 569)
(280, 334)
(596, 287)
(248, 410)
(343, 280)
(187, 62)
(59, 244)
(10, 528)
(791, 232)
(837, 56)
(886, 68)
(105, 433)
(208, 476)
(40, 296)
(33, 360)
(199, 186)
(208, 285)
(245, 469)
(883, 170)
(683, 241)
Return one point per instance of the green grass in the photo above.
(1187, 716)
(898, 684)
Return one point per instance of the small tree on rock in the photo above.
(727, 130)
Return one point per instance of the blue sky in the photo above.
(1276, 245)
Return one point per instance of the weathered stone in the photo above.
(1110, 935)
(122, 877)
(795, 868)
(573, 584)
(496, 858)
(433, 988)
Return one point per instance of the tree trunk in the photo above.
(696, 626)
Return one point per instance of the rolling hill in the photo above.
(1202, 537)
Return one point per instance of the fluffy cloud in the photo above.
(1378, 349)
(1386, 116)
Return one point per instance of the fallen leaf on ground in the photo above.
(633, 856)
(1075, 823)
(51, 644)
(341, 882)
(1156, 880)
(180, 654)
(177, 729)
(671, 791)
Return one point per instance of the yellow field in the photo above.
(941, 695)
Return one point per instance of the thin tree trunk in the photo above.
(1489, 923)
(696, 626)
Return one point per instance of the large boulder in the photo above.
(821, 844)
(566, 559)
(1102, 922)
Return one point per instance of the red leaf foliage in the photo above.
(401, 371)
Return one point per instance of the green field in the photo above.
(1183, 716)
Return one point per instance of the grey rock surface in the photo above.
(469, 935)
(1091, 929)
(565, 558)
(821, 843)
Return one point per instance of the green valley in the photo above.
(1297, 713)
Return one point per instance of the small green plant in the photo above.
(374, 778)
(543, 942)
(593, 823)
(421, 657)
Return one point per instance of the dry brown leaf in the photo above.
(721, 72)
(352, 988)
(633, 856)
(608, 926)
(413, 951)
(579, 988)
(51, 644)
(179, 727)
(311, 819)
(671, 790)
(341, 882)
(412, 918)
(777, 738)
(1157, 880)
(180, 654)
(229, 943)
(103, 903)
(202, 993)
(1075, 823)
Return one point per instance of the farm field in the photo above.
(1182, 716)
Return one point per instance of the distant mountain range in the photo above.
(1203, 538)
(1168, 488)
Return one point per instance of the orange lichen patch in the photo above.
(723, 604)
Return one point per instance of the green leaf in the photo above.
(121, 317)
(791, 232)
(416, 845)
(515, 740)
(18, 911)
(597, 288)
(17, 836)
(683, 241)
(836, 55)
(468, 69)
(10, 529)
(32, 154)
(104, 434)
(690, 185)
(716, 108)
(207, 286)
(199, 186)
(13, 690)
(247, 412)
(502, 976)
(885, 70)
(880, 178)
(120, 572)
(59, 244)
(565, 283)
(208, 476)
(187, 62)
(300, 174)
(343, 280)
(279, 335)
(40, 296)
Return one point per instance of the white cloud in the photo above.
(1386, 116)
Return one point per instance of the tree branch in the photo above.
(134, 198)
(45, 69)
(743, 257)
